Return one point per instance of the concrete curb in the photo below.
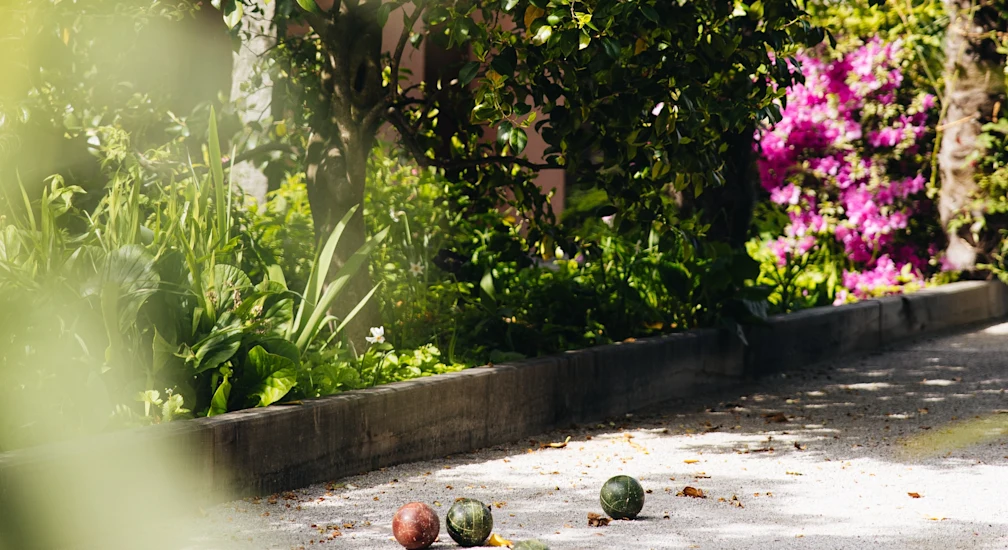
(262, 451)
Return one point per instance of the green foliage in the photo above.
(77, 78)
(983, 221)
(149, 291)
(808, 280)
(419, 302)
(638, 99)
(280, 232)
(462, 279)
(986, 217)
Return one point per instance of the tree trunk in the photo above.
(253, 104)
(344, 129)
(728, 208)
(974, 80)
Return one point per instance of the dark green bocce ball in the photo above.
(530, 545)
(469, 522)
(622, 497)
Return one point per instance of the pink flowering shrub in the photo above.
(848, 163)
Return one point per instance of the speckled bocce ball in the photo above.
(415, 526)
(530, 545)
(622, 497)
(469, 522)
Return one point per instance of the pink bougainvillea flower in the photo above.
(848, 177)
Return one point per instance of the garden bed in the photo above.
(265, 450)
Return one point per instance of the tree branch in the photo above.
(409, 141)
(421, 5)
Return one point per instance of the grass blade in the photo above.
(339, 282)
(318, 274)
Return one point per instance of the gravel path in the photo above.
(903, 449)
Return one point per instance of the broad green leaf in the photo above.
(275, 387)
(227, 279)
(283, 348)
(504, 130)
(611, 47)
(436, 15)
(275, 274)
(264, 363)
(487, 285)
(232, 18)
(650, 13)
(129, 273)
(468, 72)
(518, 140)
(309, 6)
(383, 13)
(173, 408)
(542, 35)
(217, 348)
(276, 374)
(219, 402)
(505, 62)
(163, 354)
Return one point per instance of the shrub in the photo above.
(848, 165)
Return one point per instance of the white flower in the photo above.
(608, 219)
(658, 109)
(416, 269)
(377, 335)
(393, 214)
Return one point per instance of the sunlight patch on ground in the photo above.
(866, 386)
(999, 330)
(938, 382)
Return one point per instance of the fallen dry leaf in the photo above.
(595, 520)
(556, 445)
(793, 473)
(497, 540)
(691, 492)
(936, 518)
(799, 447)
(775, 417)
(914, 495)
(691, 461)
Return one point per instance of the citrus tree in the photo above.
(653, 101)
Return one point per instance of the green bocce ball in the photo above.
(469, 522)
(622, 497)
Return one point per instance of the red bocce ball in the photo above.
(415, 526)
